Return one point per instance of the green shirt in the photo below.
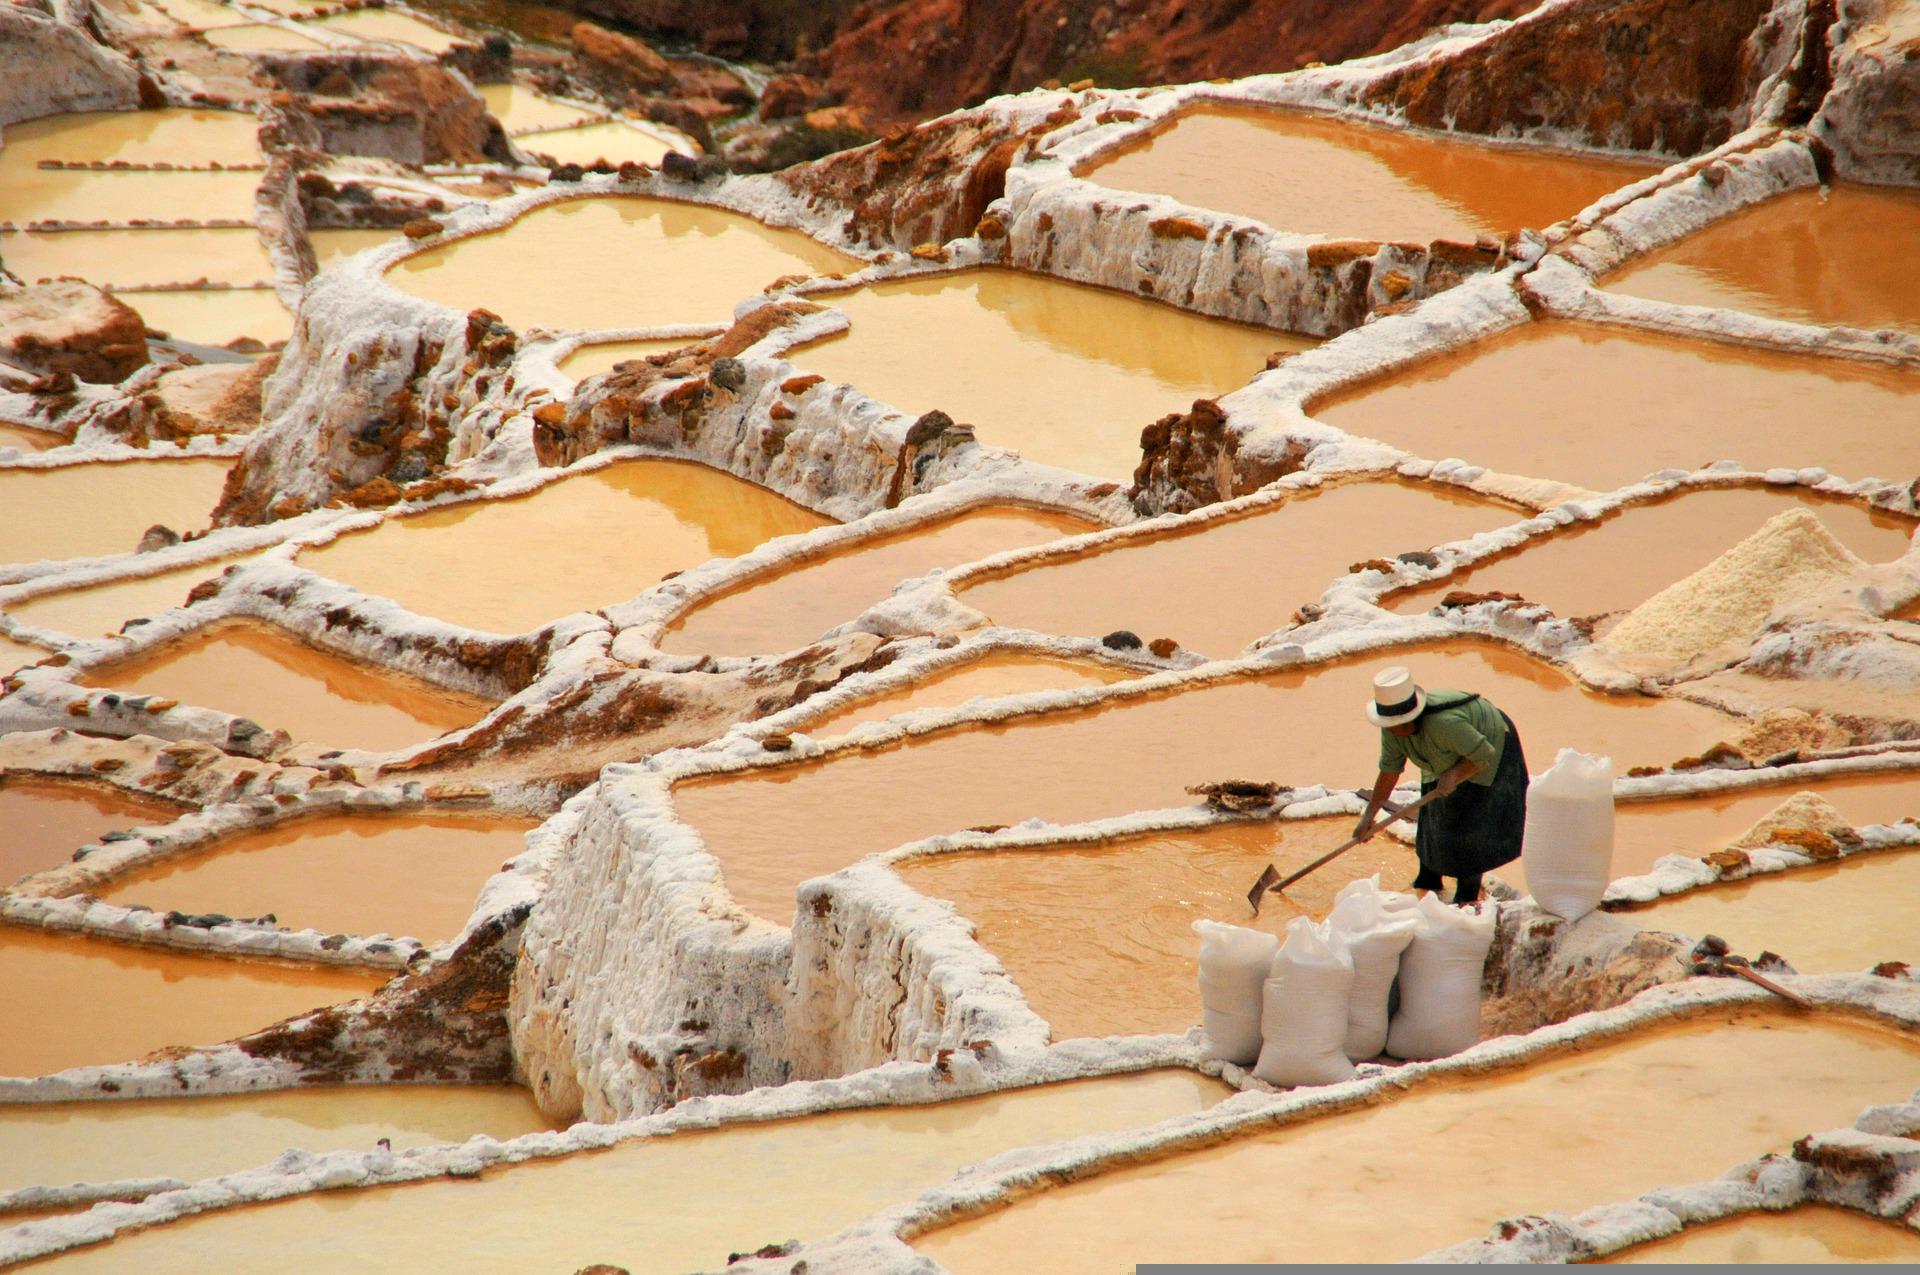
(1449, 731)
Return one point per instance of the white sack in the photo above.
(1234, 962)
(1377, 926)
(1568, 848)
(1439, 1010)
(1304, 1020)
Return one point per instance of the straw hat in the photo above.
(1397, 699)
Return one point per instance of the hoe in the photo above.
(1271, 880)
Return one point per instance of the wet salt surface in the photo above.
(386, 26)
(614, 142)
(1534, 401)
(614, 262)
(1812, 1233)
(263, 37)
(591, 360)
(1228, 583)
(1626, 558)
(772, 829)
(200, 13)
(587, 541)
(173, 136)
(809, 1178)
(47, 194)
(330, 247)
(1607, 1124)
(43, 821)
(215, 316)
(100, 610)
(25, 437)
(322, 700)
(139, 258)
(1321, 176)
(1811, 256)
(791, 608)
(1101, 940)
(1064, 373)
(90, 1001)
(989, 676)
(519, 109)
(54, 1144)
(417, 875)
(16, 655)
(122, 500)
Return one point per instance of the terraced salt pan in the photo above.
(519, 109)
(46, 820)
(121, 501)
(601, 356)
(1100, 939)
(216, 316)
(1328, 177)
(386, 26)
(322, 700)
(614, 262)
(190, 1139)
(588, 541)
(791, 608)
(614, 141)
(1064, 373)
(1227, 583)
(810, 1178)
(139, 258)
(774, 828)
(200, 14)
(171, 136)
(25, 437)
(331, 247)
(987, 677)
(1810, 256)
(416, 875)
(78, 1002)
(102, 609)
(46, 194)
(1596, 568)
(1812, 1234)
(1535, 401)
(1441, 1163)
(263, 37)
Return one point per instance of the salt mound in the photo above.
(1791, 561)
(1800, 812)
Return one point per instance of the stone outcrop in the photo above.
(1870, 116)
(389, 106)
(1193, 459)
(71, 329)
(48, 66)
(765, 30)
(1544, 969)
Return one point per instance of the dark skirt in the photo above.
(1475, 829)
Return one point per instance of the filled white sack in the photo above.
(1234, 962)
(1377, 926)
(1567, 851)
(1303, 1022)
(1439, 1010)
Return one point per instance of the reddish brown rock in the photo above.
(389, 106)
(72, 328)
(619, 61)
(787, 95)
(1193, 459)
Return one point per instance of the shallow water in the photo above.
(601, 356)
(1812, 1233)
(15, 655)
(414, 875)
(1323, 176)
(792, 608)
(387, 26)
(1218, 588)
(519, 109)
(614, 142)
(1621, 561)
(1601, 1126)
(614, 262)
(773, 829)
(333, 246)
(587, 541)
(139, 999)
(201, 14)
(810, 1178)
(102, 609)
(29, 439)
(139, 258)
(46, 820)
(122, 500)
(322, 700)
(174, 136)
(196, 1138)
(263, 37)
(1101, 939)
(45, 194)
(1812, 256)
(215, 317)
(1533, 401)
(990, 676)
(1063, 373)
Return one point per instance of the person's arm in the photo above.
(1382, 789)
(1455, 775)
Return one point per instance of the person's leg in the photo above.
(1467, 889)
(1427, 879)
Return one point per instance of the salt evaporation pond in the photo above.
(46, 820)
(214, 316)
(16, 655)
(1596, 568)
(1063, 373)
(51, 194)
(263, 38)
(139, 258)
(989, 677)
(615, 141)
(122, 500)
(416, 875)
(1811, 256)
(1830, 918)
(54, 1144)
(1327, 176)
(614, 262)
(199, 14)
(507, 566)
(1231, 581)
(1811, 1234)
(519, 109)
(170, 136)
(733, 1190)
(1619, 1119)
(91, 1001)
(322, 700)
(603, 356)
(1658, 402)
(102, 609)
(29, 439)
(791, 608)
(1100, 938)
(388, 27)
(774, 828)
(330, 247)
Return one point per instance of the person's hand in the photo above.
(1364, 830)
